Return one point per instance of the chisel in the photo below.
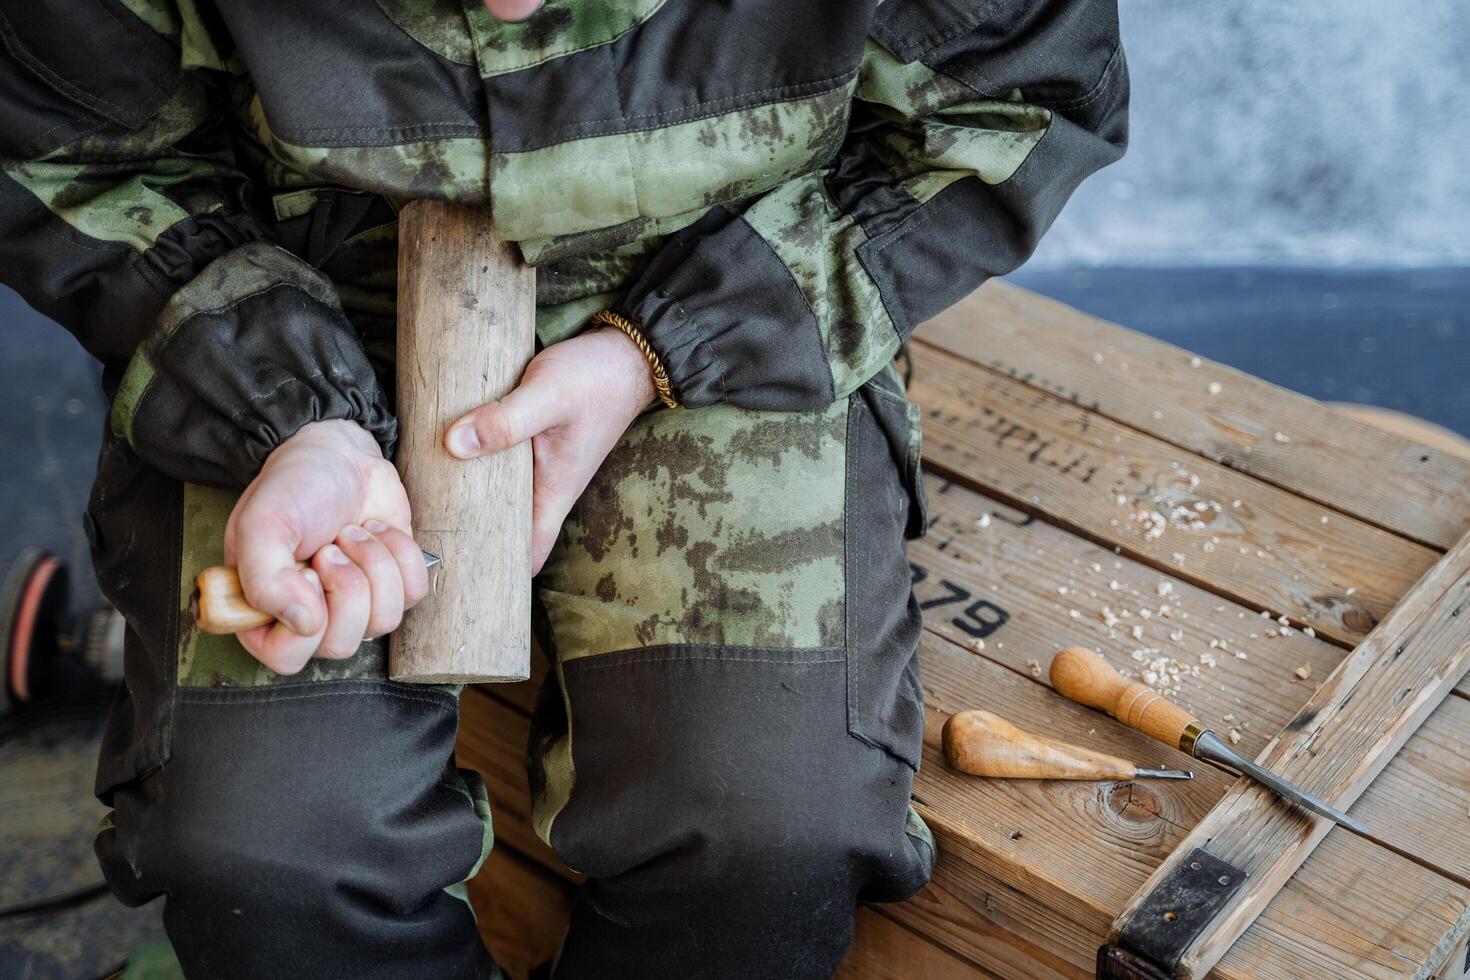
(983, 744)
(218, 603)
(1081, 675)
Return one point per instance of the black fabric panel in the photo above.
(105, 293)
(136, 512)
(232, 384)
(730, 824)
(971, 230)
(305, 830)
(34, 118)
(341, 73)
(729, 321)
(909, 28)
(687, 61)
(95, 54)
(885, 701)
(1057, 52)
(861, 184)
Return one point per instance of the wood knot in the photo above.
(1358, 620)
(1133, 804)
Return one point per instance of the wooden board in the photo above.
(1337, 744)
(1273, 550)
(1421, 491)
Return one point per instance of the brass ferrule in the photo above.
(1190, 735)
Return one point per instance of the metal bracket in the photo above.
(1155, 938)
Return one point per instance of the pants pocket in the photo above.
(885, 506)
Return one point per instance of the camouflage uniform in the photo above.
(204, 192)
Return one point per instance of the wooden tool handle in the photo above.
(219, 605)
(1081, 675)
(466, 330)
(984, 744)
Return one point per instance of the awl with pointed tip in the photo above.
(983, 744)
(219, 605)
(1081, 675)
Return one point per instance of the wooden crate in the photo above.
(1048, 436)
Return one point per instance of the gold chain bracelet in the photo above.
(660, 377)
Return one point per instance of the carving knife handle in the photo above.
(219, 605)
(983, 744)
(1082, 676)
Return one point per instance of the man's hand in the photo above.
(574, 402)
(327, 495)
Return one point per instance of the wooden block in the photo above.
(1420, 491)
(466, 330)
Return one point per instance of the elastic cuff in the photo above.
(251, 350)
(728, 321)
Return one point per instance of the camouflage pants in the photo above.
(724, 746)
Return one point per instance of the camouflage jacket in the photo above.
(204, 191)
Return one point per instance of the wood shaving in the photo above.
(1304, 671)
(1034, 667)
(1281, 437)
(1214, 387)
(1234, 736)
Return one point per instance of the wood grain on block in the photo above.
(1421, 491)
(1198, 520)
(466, 330)
(1346, 734)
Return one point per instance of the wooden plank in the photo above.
(1344, 736)
(1016, 582)
(1272, 551)
(492, 740)
(521, 909)
(1080, 848)
(1418, 490)
(884, 950)
(1019, 582)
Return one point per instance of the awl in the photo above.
(983, 744)
(219, 605)
(1084, 677)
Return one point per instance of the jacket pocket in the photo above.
(74, 67)
(885, 505)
